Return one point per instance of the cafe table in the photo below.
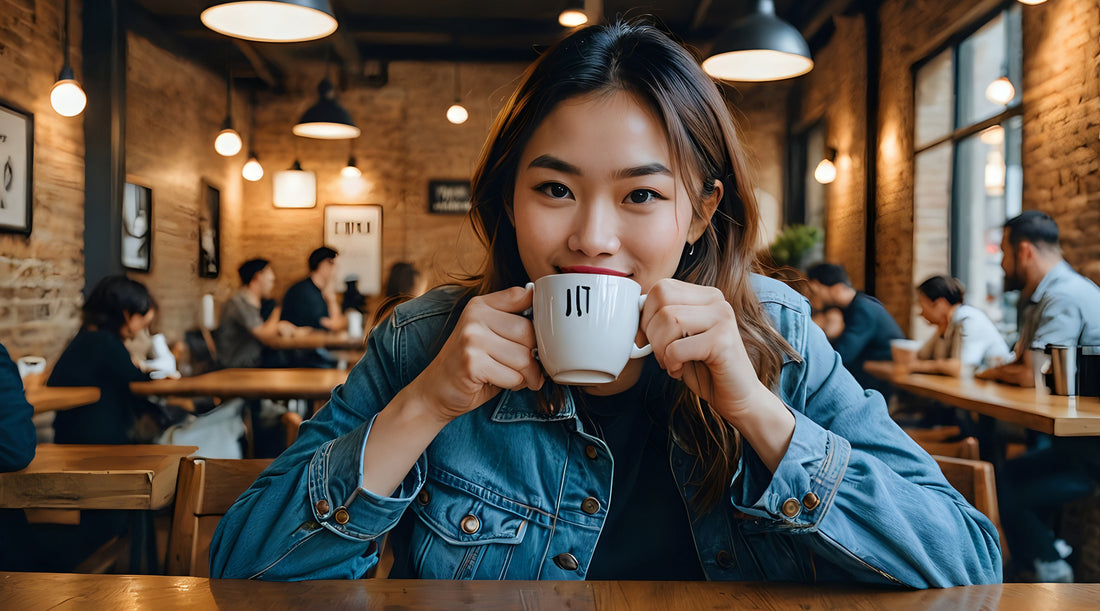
(344, 348)
(277, 383)
(1033, 408)
(77, 476)
(51, 398)
(50, 590)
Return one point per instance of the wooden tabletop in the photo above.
(71, 476)
(1034, 408)
(312, 341)
(293, 383)
(47, 590)
(50, 398)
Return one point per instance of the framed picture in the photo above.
(16, 159)
(210, 232)
(137, 227)
(356, 233)
(448, 196)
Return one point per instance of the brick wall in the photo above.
(41, 276)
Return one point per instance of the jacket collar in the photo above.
(522, 406)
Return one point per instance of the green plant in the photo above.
(792, 244)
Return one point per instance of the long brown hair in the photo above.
(639, 58)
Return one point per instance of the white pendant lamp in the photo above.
(272, 20)
(295, 188)
(1000, 91)
(759, 47)
(252, 171)
(67, 97)
(327, 119)
(228, 142)
(574, 15)
(457, 113)
(825, 172)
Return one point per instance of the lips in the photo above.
(585, 269)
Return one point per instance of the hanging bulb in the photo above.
(228, 142)
(351, 170)
(572, 18)
(1000, 91)
(1032, 2)
(825, 172)
(457, 114)
(252, 170)
(66, 97)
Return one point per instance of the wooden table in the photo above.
(1034, 408)
(313, 341)
(47, 590)
(291, 383)
(51, 398)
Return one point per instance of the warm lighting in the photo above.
(327, 119)
(228, 142)
(572, 18)
(993, 136)
(825, 172)
(252, 170)
(295, 188)
(1032, 2)
(994, 173)
(1000, 91)
(272, 20)
(457, 114)
(66, 97)
(759, 47)
(351, 170)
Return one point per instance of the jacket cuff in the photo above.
(803, 487)
(338, 501)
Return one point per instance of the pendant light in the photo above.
(573, 15)
(759, 47)
(66, 97)
(1032, 2)
(327, 119)
(252, 170)
(1000, 91)
(295, 188)
(228, 142)
(825, 172)
(351, 170)
(457, 113)
(272, 20)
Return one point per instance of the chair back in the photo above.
(975, 482)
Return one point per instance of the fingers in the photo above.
(675, 322)
(490, 327)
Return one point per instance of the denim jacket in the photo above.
(505, 491)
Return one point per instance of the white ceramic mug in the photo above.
(585, 326)
(31, 370)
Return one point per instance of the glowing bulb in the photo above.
(350, 171)
(825, 172)
(993, 136)
(1032, 2)
(252, 170)
(457, 114)
(1000, 91)
(228, 142)
(67, 98)
(572, 18)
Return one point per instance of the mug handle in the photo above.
(635, 351)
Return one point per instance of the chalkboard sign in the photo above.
(449, 196)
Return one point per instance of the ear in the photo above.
(700, 221)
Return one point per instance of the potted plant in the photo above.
(793, 243)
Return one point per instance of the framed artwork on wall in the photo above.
(355, 231)
(16, 159)
(448, 196)
(137, 227)
(210, 232)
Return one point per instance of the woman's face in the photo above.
(135, 323)
(597, 192)
(935, 312)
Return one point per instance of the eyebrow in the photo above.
(553, 163)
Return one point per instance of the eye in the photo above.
(555, 190)
(642, 196)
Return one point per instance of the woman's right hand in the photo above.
(490, 349)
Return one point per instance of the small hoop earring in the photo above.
(691, 251)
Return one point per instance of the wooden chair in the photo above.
(291, 421)
(975, 482)
(943, 441)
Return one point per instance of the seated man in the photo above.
(312, 303)
(243, 332)
(17, 434)
(868, 327)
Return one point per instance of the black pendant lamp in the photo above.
(759, 47)
(327, 119)
(271, 20)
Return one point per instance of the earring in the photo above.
(691, 251)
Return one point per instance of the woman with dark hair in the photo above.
(405, 280)
(117, 309)
(964, 334)
(740, 450)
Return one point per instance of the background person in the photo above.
(964, 334)
(244, 331)
(311, 302)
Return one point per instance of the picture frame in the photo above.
(210, 231)
(16, 169)
(137, 227)
(355, 231)
(448, 196)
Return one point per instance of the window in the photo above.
(968, 179)
(807, 195)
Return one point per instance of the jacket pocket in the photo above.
(463, 530)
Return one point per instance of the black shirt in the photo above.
(646, 534)
(304, 305)
(17, 434)
(868, 329)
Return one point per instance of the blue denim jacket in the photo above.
(854, 499)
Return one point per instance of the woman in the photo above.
(117, 310)
(616, 155)
(965, 337)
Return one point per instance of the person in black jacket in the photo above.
(17, 435)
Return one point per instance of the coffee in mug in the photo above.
(585, 326)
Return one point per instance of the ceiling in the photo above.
(374, 32)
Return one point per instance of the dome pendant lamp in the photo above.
(327, 119)
(67, 97)
(759, 47)
(272, 20)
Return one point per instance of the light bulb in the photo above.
(1000, 91)
(1032, 2)
(457, 114)
(67, 98)
(825, 172)
(350, 171)
(993, 136)
(252, 170)
(571, 18)
(228, 142)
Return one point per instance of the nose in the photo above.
(595, 229)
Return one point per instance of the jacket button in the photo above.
(341, 516)
(590, 452)
(566, 562)
(321, 507)
(810, 501)
(470, 524)
(724, 559)
(590, 505)
(791, 507)
(423, 497)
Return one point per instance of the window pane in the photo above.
(985, 56)
(815, 191)
(935, 99)
(931, 223)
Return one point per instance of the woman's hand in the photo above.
(489, 350)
